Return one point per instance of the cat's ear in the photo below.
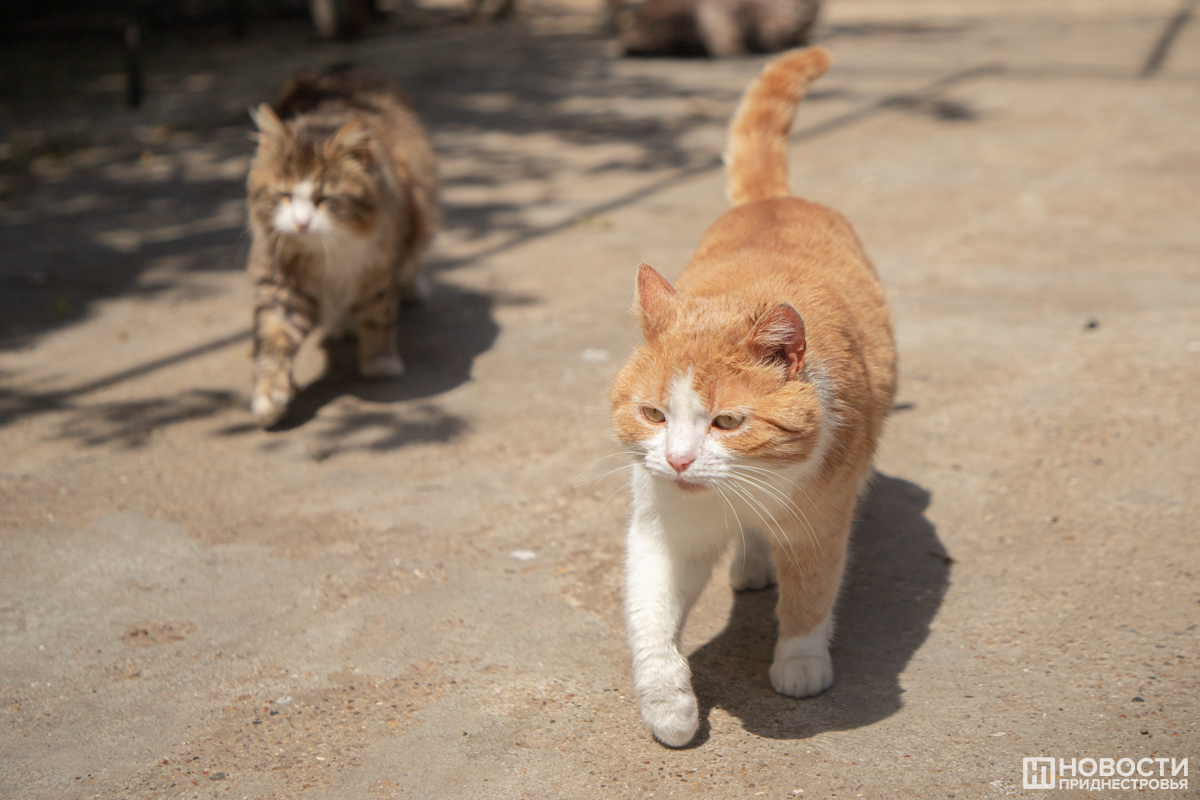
(355, 140)
(779, 336)
(270, 127)
(654, 295)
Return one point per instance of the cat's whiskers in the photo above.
(777, 532)
(596, 482)
(741, 530)
(771, 474)
(614, 494)
(787, 503)
(768, 472)
(575, 480)
(778, 497)
(783, 537)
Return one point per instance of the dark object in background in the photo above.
(340, 19)
(133, 64)
(495, 9)
(715, 28)
(128, 23)
(120, 21)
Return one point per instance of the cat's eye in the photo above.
(726, 422)
(284, 195)
(653, 414)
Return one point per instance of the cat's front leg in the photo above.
(661, 586)
(802, 666)
(809, 568)
(279, 329)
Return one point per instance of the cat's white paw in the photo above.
(385, 366)
(802, 665)
(673, 717)
(802, 676)
(269, 407)
(751, 568)
(664, 689)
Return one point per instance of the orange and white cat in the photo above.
(756, 403)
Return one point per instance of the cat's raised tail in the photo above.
(756, 157)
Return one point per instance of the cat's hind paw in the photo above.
(384, 366)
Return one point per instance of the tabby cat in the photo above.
(755, 405)
(342, 200)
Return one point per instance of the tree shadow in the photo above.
(898, 575)
(131, 424)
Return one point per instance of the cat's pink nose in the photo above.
(680, 463)
(302, 226)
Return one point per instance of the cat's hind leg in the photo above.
(751, 568)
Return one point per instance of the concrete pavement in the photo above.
(191, 607)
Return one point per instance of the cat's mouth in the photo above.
(688, 486)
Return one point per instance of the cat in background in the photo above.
(755, 404)
(717, 28)
(342, 197)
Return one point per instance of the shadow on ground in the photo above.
(897, 578)
(439, 341)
